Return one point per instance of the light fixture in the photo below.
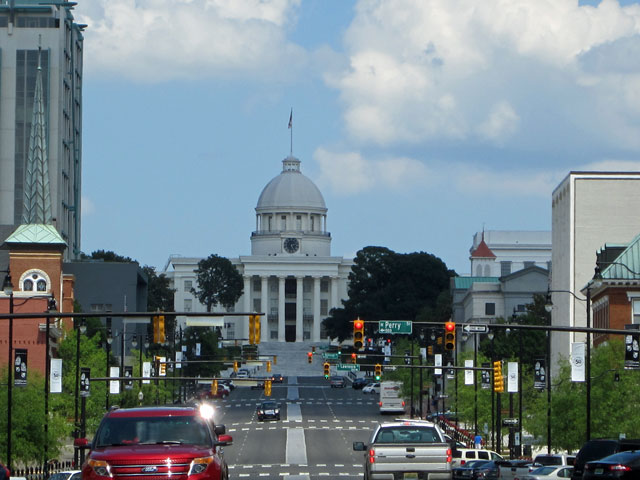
(490, 335)
(597, 278)
(548, 305)
(134, 341)
(7, 286)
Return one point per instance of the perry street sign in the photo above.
(395, 326)
(348, 366)
(471, 328)
(330, 356)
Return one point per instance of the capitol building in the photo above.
(290, 275)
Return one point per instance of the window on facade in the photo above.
(257, 307)
(505, 268)
(27, 286)
(324, 307)
(636, 311)
(269, 222)
(313, 223)
(188, 304)
(256, 285)
(35, 282)
(298, 222)
(479, 271)
(283, 222)
(489, 308)
(324, 286)
(188, 285)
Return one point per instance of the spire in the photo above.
(37, 197)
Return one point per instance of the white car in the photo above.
(550, 472)
(243, 373)
(65, 475)
(372, 388)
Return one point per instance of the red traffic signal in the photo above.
(358, 334)
(310, 357)
(449, 336)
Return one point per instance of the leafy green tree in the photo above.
(159, 292)
(219, 282)
(388, 285)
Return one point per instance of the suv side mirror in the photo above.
(220, 429)
(224, 440)
(81, 443)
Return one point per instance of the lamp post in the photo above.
(107, 372)
(51, 307)
(7, 287)
(490, 335)
(80, 327)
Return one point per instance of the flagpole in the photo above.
(291, 128)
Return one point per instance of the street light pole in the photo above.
(79, 325)
(588, 372)
(7, 286)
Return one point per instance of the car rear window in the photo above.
(407, 434)
(548, 460)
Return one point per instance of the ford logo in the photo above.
(149, 469)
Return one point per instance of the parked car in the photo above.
(268, 410)
(621, 465)
(228, 383)
(277, 378)
(487, 471)
(600, 448)
(547, 459)
(243, 373)
(338, 382)
(550, 472)
(360, 382)
(372, 388)
(515, 469)
(468, 471)
(67, 475)
(460, 456)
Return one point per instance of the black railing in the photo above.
(42, 472)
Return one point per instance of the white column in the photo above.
(335, 301)
(281, 309)
(264, 306)
(247, 306)
(315, 335)
(299, 309)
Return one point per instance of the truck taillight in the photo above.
(372, 455)
(379, 404)
(449, 458)
(403, 403)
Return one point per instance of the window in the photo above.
(489, 308)
(324, 307)
(505, 268)
(636, 311)
(283, 222)
(256, 305)
(324, 286)
(256, 285)
(188, 285)
(313, 223)
(188, 304)
(269, 222)
(35, 282)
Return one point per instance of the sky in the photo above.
(421, 121)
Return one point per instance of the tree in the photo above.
(219, 282)
(159, 292)
(388, 285)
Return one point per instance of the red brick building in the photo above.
(35, 269)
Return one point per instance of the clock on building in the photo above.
(291, 245)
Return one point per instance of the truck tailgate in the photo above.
(407, 457)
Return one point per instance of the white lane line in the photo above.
(296, 450)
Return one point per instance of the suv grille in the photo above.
(151, 470)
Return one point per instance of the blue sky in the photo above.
(421, 121)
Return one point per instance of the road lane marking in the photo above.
(296, 453)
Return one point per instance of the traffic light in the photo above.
(158, 329)
(310, 357)
(235, 367)
(327, 370)
(256, 329)
(378, 372)
(498, 381)
(354, 358)
(430, 350)
(252, 329)
(450, 336)
(267, 388)
(268, 366)
(358, 334)
(214, 387)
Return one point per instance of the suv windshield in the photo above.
(407, 434)
(153, 430)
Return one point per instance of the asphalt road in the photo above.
(313, 439)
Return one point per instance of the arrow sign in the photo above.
(473, 328)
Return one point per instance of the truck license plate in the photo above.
(411, 476)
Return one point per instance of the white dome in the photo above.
(291, 189)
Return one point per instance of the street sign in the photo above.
(330, 356)
(509, 421)
(348, 366)
(395, 326)
(473, 328)
(390, 368)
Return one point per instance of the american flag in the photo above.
(291, 118)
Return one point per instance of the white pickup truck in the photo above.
(406, 449)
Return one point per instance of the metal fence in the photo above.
(41, 472)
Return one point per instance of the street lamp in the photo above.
(7, 287)
(80, 326)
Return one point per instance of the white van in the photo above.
(390, 399)
(460, 456)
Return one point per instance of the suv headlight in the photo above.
(101, 467)
(199, 465)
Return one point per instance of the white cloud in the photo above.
(157, 40)
(489, 72)
(88, 207)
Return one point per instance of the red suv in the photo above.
(181, 443)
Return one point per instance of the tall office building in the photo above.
(41, 117)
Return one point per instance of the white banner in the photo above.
(468, 374)
(55, 376)
(146, 371)
(438, 363)
(577, 362)
(197, 349)
(512, 377)
(114, 385)
(178, 359)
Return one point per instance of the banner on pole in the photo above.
(128, 383)
(577, 362)
(486, 377)
(85, 381)
(540, 374)
(114, 385)
(631, 348)
(512, 377)
(437, 361)
(55, 376)
(468, 374)
(20, 368)
(146, 371)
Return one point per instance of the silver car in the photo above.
(551, 472)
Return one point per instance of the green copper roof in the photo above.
(626, 264)
(467, 282)
(36, 233)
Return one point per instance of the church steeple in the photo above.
(37, 196)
